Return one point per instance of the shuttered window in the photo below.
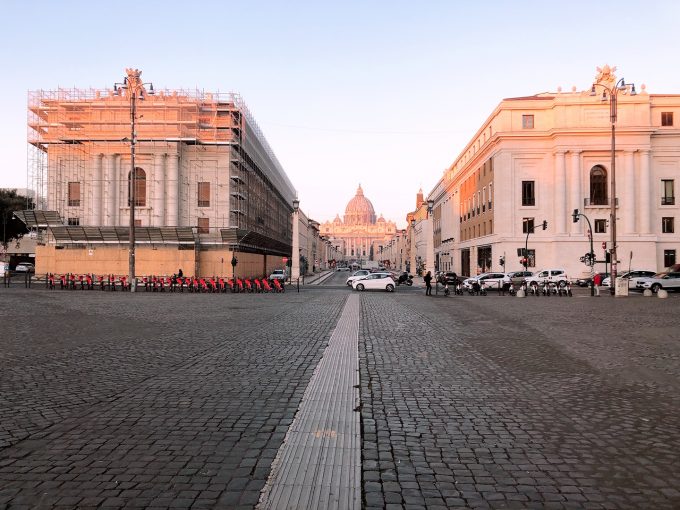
(203, 194)
(203, 225)
(74, 194)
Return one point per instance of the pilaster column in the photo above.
(576, 186)
(429, 232)
(560, 209)
(629, 207)
(159, 190)
(111, 183)
(172, 191)
(645, 194)
(97, 190)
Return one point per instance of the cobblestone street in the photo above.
(113, 400)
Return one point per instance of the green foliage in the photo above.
(10, 202)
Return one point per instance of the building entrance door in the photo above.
(465, 262)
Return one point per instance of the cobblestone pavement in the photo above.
(498, 402)
(113, 400)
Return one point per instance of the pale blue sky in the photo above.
(382, 93)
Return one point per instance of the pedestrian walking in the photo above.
(428, 283)
(597, 281)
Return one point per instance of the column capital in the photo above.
(575, 152)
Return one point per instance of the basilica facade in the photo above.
(359, 235)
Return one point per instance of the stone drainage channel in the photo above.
(319, 462)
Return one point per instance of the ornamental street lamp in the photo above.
(135, 89)
(619, 86)
(295, 255)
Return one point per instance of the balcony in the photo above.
(598, 202)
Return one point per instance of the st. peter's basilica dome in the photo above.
(359, 210)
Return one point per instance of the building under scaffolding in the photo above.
(204, 176)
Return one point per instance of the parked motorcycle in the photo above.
(405, 278)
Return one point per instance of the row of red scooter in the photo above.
(214, 284)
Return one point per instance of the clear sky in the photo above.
(379, 93)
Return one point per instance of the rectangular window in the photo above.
(600, 226)
(74, 194)
(203, 225)
(74, 221)
(666, 118)
(527, 225)
(527, 122)
(668, 225)
(667, 192)
(528, 196)
(203, 194)
(483, 199)
(490, 195)
(668, 258)
(479, 199)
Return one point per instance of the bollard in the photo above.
(521, 293)
(647, 293)
(662, 294)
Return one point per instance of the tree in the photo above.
(10, 202)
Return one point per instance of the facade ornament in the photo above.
(605, 75)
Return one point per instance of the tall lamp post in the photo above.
(619, 86)
(430, 238)
(134, 89)
(412, 261)
(295, 263)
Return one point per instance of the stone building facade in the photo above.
(207, 185)
(538, 158)
(359, 235)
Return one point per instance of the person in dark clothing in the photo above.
(180, 274)
(428, 283)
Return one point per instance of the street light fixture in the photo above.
(619, 86)
(135, 89)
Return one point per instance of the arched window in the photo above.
(598, 186)
(140, 188)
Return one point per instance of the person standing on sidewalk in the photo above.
(428, 283)
(597, 281)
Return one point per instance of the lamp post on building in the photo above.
(619, 86)
(295, 256)
(135, 89)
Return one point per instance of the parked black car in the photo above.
(449, 278)
(586, 280)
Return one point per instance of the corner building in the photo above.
(538, 158)
(207, 185)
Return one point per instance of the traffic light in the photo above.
(502, 261)
(608, 257)
(604, 245)
(574, 216)
(545, 224)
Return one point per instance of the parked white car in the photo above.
(556, 276)
(356, 275)
(278, 274)
(25, 267)
(490, 280)
(633, 278)
(666, 281)
(375, 281)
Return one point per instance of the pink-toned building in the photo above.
(539, 157)
(359, 235)
(207, 185)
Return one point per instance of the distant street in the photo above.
(161, 400)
